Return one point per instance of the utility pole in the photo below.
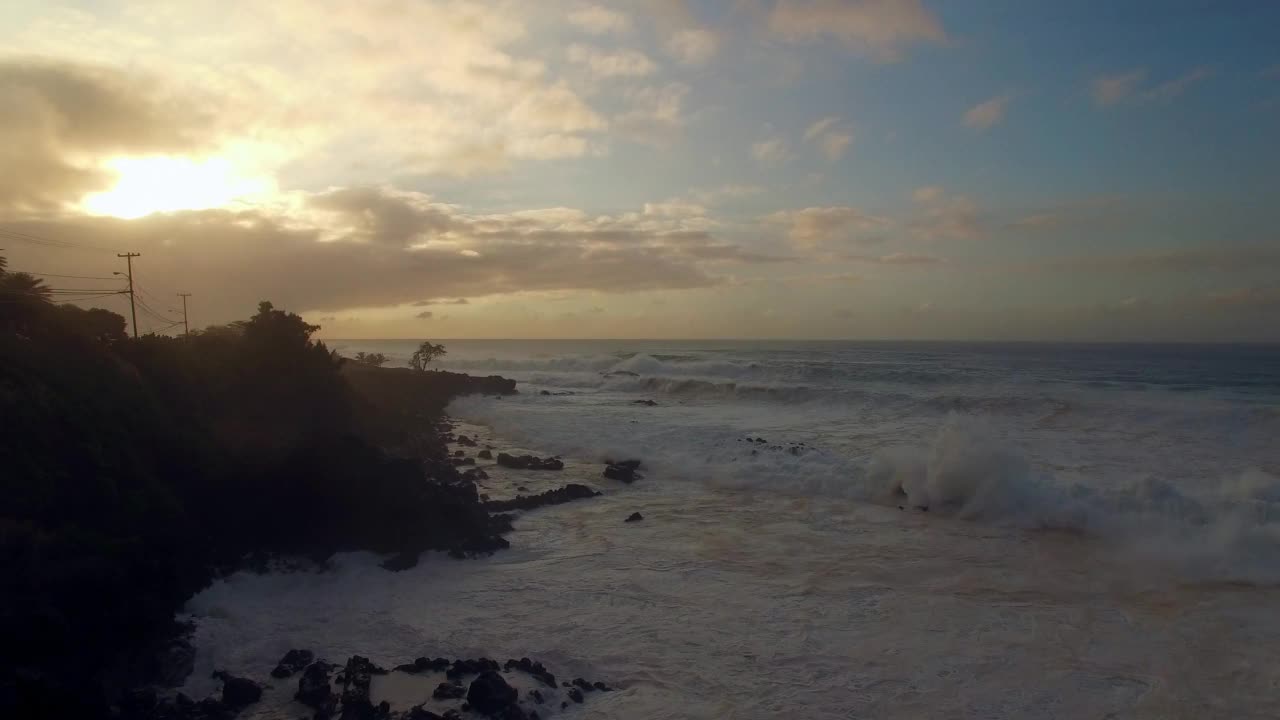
(128, 257)
(186, 329)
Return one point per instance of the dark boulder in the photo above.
(534, 669)
(529, 462)
(568, 493)
(575, 695)
(417, 712)
(448, 691)
(545, 392)
(647, 403)
(314, 690)
(465, 441)
(485, 454)
(357, 676)
(238, 692)
(490, 694)
(634, 517)
(292, 662)
(622, 473)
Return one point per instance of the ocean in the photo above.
(844, 529)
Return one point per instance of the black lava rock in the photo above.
(239, 692)
(570, 492)
(634, 517)
(314, 690)
(575, 695)
(649, 403)
(622, 472)
(485, 454)
(448, 691)
(292, 662)
(529, 462)
(490, 694)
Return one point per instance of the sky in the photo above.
(861, 169)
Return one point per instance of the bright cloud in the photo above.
(831, 135)
(693, 46)
(608, 64)
(599, 20)
(817, 226)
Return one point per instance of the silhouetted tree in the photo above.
(425, 353)
(374, 359)
(23, 298)
(97, 324)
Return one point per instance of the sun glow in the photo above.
(165, 184)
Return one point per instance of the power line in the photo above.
(49, 242)
(73, 277)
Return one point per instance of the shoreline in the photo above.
(406, 408)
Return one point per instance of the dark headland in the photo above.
(136, 471)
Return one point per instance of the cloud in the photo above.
(693, 46)
(817, 226)
(1171, 89)
(674, 208)
(1111, 89)
(831, 135)
(897, 259)
(603, 64)
(61, 120)
(878, 28)
(771, 151)
(448, 88)
(384, 215)
(599, 20)
(988, 114)
(944, 216)
(656, 114)
(1114, 89)
(358, 247)
(425, 315)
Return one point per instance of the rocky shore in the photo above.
(442, 689)
(405, 412)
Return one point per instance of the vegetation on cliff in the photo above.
(134, 470)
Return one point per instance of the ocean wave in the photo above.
(1229, 532)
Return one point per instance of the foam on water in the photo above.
(1100, 538)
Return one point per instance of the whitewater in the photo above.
(878, 530)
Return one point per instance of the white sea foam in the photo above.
(1101, 539)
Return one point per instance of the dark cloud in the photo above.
(230, 260)
(57, 117)
(386, 217)
(429, 303)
